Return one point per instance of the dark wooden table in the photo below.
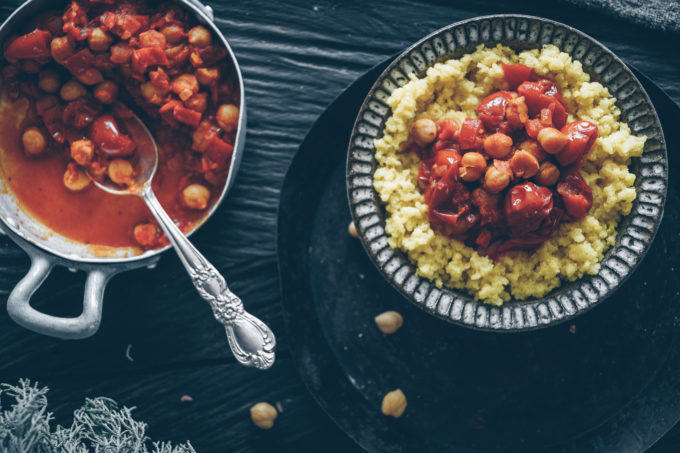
(296, 56)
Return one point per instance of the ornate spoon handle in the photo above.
(251, 341)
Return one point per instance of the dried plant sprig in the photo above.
(100, 425)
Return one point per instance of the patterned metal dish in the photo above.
(636, 231)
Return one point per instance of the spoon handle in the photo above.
(251, 341)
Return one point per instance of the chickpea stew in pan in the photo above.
(504, 173)
(69, 81)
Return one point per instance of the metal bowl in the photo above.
(635, 232)
(48, 249)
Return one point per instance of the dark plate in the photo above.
(609, 382)
(635, 232)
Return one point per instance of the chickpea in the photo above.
(206, 76)
(30, 66)
(424, 131)
(497, 176)
(120, 171)
(227, 117)
(524, 164)
(176, 54)
(547, 175)
(552, 140)
(173, 34)
(152, 93)
(263, 415)
(49, 81)
(352, 230)
(45, 103)
(145, 234)
(197, 102)
(152, 38)
(90, 76)
(532, 147)
(472, 166)
(61, 48)
(82, 151)
(498, 145)
(99, 40)
(394, 403)
(389, 322)
(195, 196)
(34, 141)
(199, 36)
(75, 178)
(121, 53)
(185, 86)
(72, 90)
(106, 92)
(97, 169)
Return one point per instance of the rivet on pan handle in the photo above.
(83, 326)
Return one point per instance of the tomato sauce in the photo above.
(91, 216)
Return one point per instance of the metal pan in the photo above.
(48, 249)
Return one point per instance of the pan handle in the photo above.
(207, 10)
(83, 326)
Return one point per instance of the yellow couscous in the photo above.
(453, 90)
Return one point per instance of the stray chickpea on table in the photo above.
(389, 322)
(394, 403)
(352, 230)
(263, 415)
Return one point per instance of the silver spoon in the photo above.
(251, 341)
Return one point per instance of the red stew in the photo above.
(506, 180)
(76, 73)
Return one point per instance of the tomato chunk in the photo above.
(35, 44)
(582, 136)
(471, 133)
(109, 139)
(81, 113)
(80, 61)
(515, 74)
(186, 116)
(455, 223)
(540, 95)
(492, 109)
(219, 151)
(526, 205)
(575, 193)
(148, 56)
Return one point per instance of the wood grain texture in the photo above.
(296, 56)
